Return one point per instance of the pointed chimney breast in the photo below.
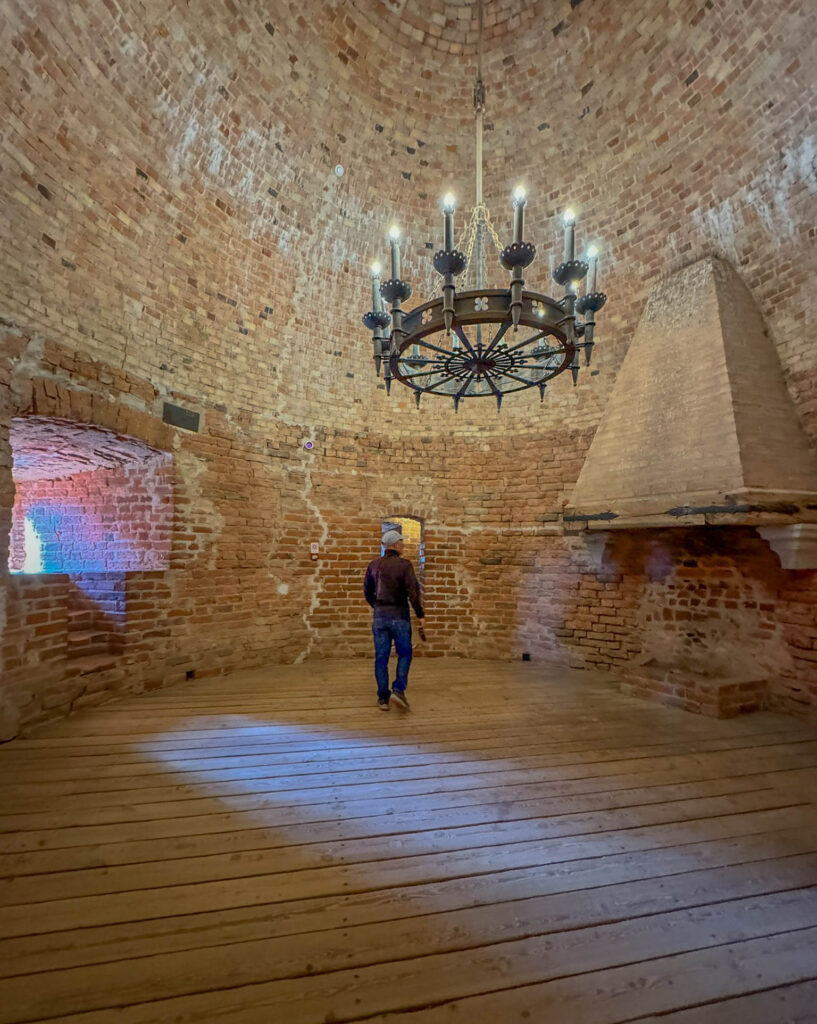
(700, 427)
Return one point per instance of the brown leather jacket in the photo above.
(389, 586)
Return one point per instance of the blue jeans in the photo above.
(385, 631)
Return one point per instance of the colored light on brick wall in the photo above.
(102, 520)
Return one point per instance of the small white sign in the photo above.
(314, 549)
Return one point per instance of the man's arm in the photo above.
(370, 585)
(415, 591)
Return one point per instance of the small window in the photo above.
(414, 543)
(32, 549)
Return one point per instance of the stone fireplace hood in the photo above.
(700, 428)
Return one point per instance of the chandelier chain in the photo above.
(479, 215)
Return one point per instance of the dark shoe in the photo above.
(398, 698)
(383, 705)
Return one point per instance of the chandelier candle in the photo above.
(590, 303)
(593, 255)
(448, 222)
(377, 302)
(570, 225)
(518, 214)
(515, 257)
(394, 239)
(377, 320)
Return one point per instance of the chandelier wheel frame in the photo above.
(463, 368)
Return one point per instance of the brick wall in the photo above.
(714, 599)
(32, 649)
(96, 619)
(74, 640)
(501, 578)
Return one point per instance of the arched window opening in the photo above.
(87, 500)
(413, 537)
(93, 506)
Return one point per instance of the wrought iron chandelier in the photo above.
(465, 343)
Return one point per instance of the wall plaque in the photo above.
(178, 417)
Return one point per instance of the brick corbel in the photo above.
(595, 544)
(794, 545)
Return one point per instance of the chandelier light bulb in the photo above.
(569, 217)
(448, 222)
(394, 241)
(519, 194)
(376, 268)
(593, 251)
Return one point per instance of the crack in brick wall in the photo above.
(316, 581)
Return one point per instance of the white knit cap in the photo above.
(391, 537)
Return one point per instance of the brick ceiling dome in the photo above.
(451, 26)
(186, 220)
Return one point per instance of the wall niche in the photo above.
(91, 534)
(87, 500)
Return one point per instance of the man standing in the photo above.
(389, 586)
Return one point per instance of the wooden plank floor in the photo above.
(526, 845)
